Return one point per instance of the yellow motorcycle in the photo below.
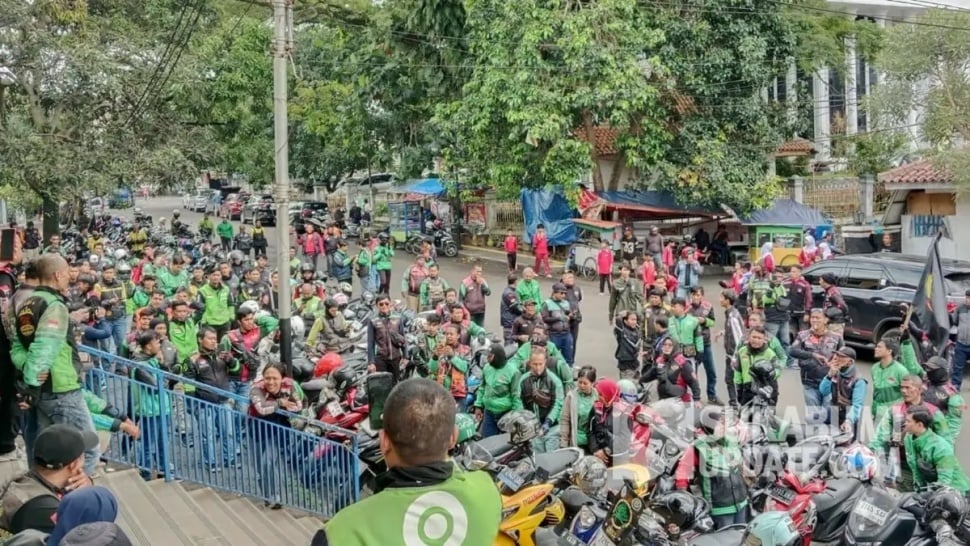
(526, 513)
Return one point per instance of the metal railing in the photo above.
(219, 445)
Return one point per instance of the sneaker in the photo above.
(714, 402)
(602, 293)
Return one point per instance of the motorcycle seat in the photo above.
(557, 462)
(728, 535)
(836, 492)
(573, 499)
(496, 445)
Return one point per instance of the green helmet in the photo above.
(467, 427)
(772, 529)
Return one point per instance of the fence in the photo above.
(219, 445)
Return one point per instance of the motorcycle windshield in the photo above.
(871, 512)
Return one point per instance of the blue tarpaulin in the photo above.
(428, 186)
(659, 203)
(786, 212)
(549, 208)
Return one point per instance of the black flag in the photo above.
(929, 303)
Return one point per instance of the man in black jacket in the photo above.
(212, 368)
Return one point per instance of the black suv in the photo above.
(875, 285)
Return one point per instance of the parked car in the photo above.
(198, 201)
(95, 206)
(232, 207)
(260, 207)
(876, 285)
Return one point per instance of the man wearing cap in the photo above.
(846, 389)
(31, 501)
(557, 314)
(523, 324)
(45, 353)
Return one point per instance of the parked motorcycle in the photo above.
(886, 516)
(443, 242)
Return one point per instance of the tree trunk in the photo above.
(618, 167)
(51, 211)
(593, 154)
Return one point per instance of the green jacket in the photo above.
(219, 305)
(892, 421)
(469, 500)
(101, 412)
(224, 229)
(744, 359)
(365, 257)
(718, 464)
(529, 290)
(931, 451)
(497, 393)
(184, 337)
(555, 411)
(686, 331)
(458, 363)
(427, 292)
(206, 225)
(763, 293)
(887, 379)
(382, 257)
(169, 282)
(561, 370)
(45, 342)
(138, 299)
(146, 396)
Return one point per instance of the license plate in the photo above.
(782, 494)
(334, 409)
(871, 512)
(511, 479)
(600, 539)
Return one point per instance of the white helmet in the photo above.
(121, 254)
(94, 259)
(250, 307)
(298, 327)
(341, 299)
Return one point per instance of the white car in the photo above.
(199, 201)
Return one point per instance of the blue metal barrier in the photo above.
(220, 446)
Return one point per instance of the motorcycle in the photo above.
(885, 516)
(761, 413)
(818, 508)
(442, 240)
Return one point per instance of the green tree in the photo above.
(925, 71)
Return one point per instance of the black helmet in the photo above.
(947, 505)
(937, 370)
(680, 509)
(383, 236)
(330, 303)
(763, 370)
(343, 378)
(307, 267)
(88, 278)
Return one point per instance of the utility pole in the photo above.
(282, 46)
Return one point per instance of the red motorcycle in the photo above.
(820, 508)
(346, 414)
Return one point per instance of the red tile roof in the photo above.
(919, 172)
(604, 139)
(795, 147)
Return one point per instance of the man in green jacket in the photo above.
(150, 404)
(183, 331)
(226, 234)
(685, 329)
(423, 494)
(44, 353)
(554, 359)
(383, 255)
(931, 458)
(219, 304)
(888, 374)
(173, 277)
(541, 393)
(496, 395)
(528, 288)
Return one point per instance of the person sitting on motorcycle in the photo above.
(444, 308)
(555, 362)
(890, 429)
(252, 288)
(329, 330)
(523, 324)
(465, 330)
(541, 393)
(137, 240)
(942, 394)
(206, 227)
(674, 374)
(847, 390)
(176, 222)
(309, 275)
(449, 366)
(496, 395)
(427, 344)
(308, 305)
(929, 456)
(755, 349)
(715, 463)
(433, 289)
(610, 424)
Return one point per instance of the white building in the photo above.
(837, 94)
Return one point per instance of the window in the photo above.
(814, 273)
(865, 277)
(906, 278)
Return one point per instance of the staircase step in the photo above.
(202, 526)
(311, 524)
(284, 527)
(142, 512)
(238, 529)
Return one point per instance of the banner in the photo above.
(929, 303)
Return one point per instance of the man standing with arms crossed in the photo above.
(44, 352)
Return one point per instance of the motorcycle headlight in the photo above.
(585, 519)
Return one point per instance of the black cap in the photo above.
(101, 533)
(60, 445)
(847, 352)
(559, 287)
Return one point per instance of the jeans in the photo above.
(507, 338)
(68, 409)
(961, 353)
(510, 257)
(564, 342)
(151, 446)
(548, 442)
(542, 260)
(240, 388)
(119, 330)
(268, 443)
(816, 406)
(780, 330)
(215, 422)
(226, 243)
(707, 358)
(737, 518)
(732, 389)
(490, 424)
(604, 282)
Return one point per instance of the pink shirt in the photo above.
(649, 273)
(540, 245)
(511, 244)
(668, 256)
(604, 261)
(313, 244)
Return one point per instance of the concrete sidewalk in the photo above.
(471, 253)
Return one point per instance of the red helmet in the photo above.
(327, 364)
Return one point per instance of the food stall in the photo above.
(784, 224)
(582, 254)
(404, 220)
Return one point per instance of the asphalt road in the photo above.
(596, 343)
